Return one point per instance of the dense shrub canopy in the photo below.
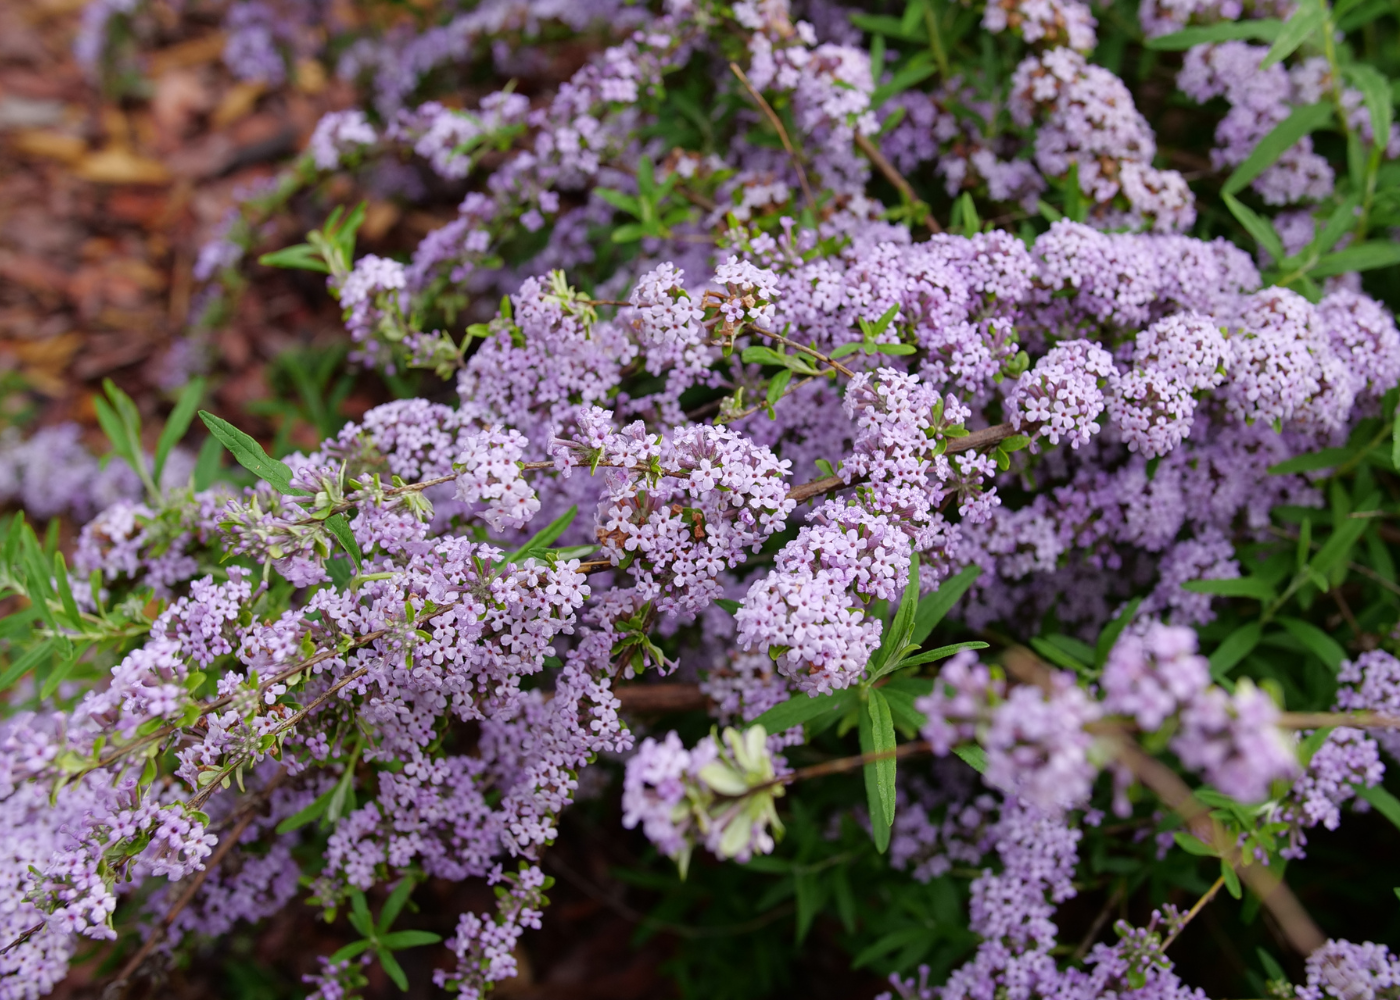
(728, 383)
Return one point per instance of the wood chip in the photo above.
(122, 166)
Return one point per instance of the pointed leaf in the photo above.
(1307, 18)
(394, 905)
(250, 455)
(178, 424)
(1264, 29)
(1109, 636)
(797, 710)
(877, 728)
(400, 940)
(1258, 227)
(936, 605)
(340, 528)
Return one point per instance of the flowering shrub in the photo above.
(733, 414)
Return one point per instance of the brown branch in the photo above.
(122, 983)
(661, 698)
(1298, 928)
(782, 134)
(877, 158)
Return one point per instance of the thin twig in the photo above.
(119, 986)
(782, 134)
(1097, 925)
(1191, 913)
(1298, 928)
(810, 351)
(906, 190)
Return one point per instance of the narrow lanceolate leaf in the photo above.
(877, 736)
(1264, 30)
(1385, 803)
(1375, 89)
(1109, 636)
(545, 537)
(1309, 16)
(934, 607)
(1258, 227)
(1364, 257)
(1237, 645)
(1327, 649)
(897, 632)
(178, 424)
(1241, 586)
(26, 661)
(250, 455)
(340, 528)
(1327, 458)
(1299, 123)
(797, 710)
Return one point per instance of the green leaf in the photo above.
(796, 711)
(65, 590)
(400, 940)
(545, 537)
(1188, 843)
(1382, 801)
(311, 813)
(352, 950)
(808, 897)
(1376, 90)
(359, 913)
(1232, 879)
(340, 528)
(728, 605)
(1306, 19)
(1264, 30)
(1395, 437)
(1327, 458)
(915, 72)
(1237, 645)
(1337, 549)
(936, 605)
(973, 756)
(1239, 586)
(877, 736)
(250, 455)
(942, 652)
(902, 708)
(896, 635)
(1058, 655)
(178, 424)
(1362, 257)
(850, 347)
(883, 24)
(1317, 641)
(302, 256)
(26, 662)
(394, 905)
(622, 202)
(1258, 227)
(1109, 636)
(392, 968)
(1300, 122)
(206, 465)
(778, 385)
(66, 657)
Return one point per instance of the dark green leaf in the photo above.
(392, 968)
(400, 940)
(340, 528)
(394, 905)
(798, 709)
(1264, 30)
(1383, 802)
(973, 756)
(1258, 227)
(1300, 122)
(1057, 655)
(26, 662)
(351, 950)
(1188, 843)
(1109, 636)
(1306, 19)
(1240, 586)
(1363, 257)
(302, 256)
(250, 454)
(309, 814)
(942, 652)
(1237, 645)
(936, 605)
(178, 424)
(1375, 88)
(877, 736)
(1317, 641)
(1327, 458)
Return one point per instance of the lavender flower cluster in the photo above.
(742, 452)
